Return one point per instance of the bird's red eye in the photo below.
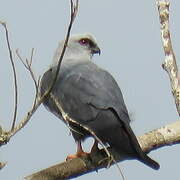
(83, 41)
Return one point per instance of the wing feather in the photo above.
(80, 86)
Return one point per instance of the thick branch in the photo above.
(170, 65)
(165, 136)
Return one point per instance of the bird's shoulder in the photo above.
(89, 77)
(83, 84)
(88, 83)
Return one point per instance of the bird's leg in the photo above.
(94, 149)
(79, 152)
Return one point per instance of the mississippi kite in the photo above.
(91, 97)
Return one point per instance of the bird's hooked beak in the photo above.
(95, 50)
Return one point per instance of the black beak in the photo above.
(96, 50)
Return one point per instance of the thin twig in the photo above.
(20, 58)
(28, 65)
(170, 65)
(14, 75)
(37, 91)
(31, 59)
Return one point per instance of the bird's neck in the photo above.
(71, 55)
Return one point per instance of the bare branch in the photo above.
(170, 65)
(28, 65)
(3, 136)
(165, 136)
(14, 75)
(31, 59)
(20, 58)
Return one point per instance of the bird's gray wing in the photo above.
(81, 86)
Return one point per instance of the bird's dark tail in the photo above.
(141, 155)
(120, 136)
(148, 161)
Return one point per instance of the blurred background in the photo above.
(128, 33)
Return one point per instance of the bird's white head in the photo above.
(80, 47)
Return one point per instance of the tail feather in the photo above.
(149, 162)
(141, 155)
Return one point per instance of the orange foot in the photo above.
(77, 155)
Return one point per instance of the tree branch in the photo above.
(170, 65)
(2, 164)
(165, 136)
(14, 75)
(28, 65)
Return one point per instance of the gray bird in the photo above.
(91, 97)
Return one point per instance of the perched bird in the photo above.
(91, 97)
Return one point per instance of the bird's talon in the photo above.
(77, 155)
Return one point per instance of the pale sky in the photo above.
(128, 34)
